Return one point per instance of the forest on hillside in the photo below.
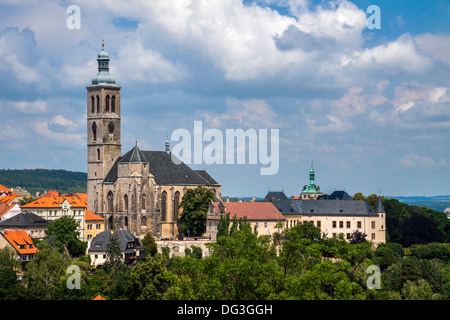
(41, 180)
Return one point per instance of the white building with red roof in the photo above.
(262, 216)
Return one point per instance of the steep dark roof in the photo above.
(276, 195)
(135, 155)
(380, 207)
(324, 207)
(337, 195)
(165, 170)
(24, 220)
(100, 242)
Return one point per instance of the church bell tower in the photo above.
(103, 129)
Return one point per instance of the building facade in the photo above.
(52, 208)
(263, 217)
(141, 190)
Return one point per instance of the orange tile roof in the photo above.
(55, 202)
(4, 208)
(20, 237)
(81, 196)
(6, 191)
(252, 210)
(7, 199)
(89, 215)
(99, 297)
(51, 193)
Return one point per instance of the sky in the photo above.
(369, 106)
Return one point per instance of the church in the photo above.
(139, 191)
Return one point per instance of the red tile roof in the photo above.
(252, 210)
(19, 238)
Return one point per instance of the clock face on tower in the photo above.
(111, 127)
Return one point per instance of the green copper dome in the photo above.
(103, 77)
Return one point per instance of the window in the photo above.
(256, 225)
(125, 203)
(94, 131)
(373, 236)
(373, 224)
(334, 235)
(341, 224)
(318, 224)
(113, 104)
(163, 206)
(334, 224)
(348, 224)
(110, 198)
(98, 104)
(97, 226)
(359, 224)
(265, 225)
(176, 203)
(98, 154)
(92, 104)
(107, 103)
(348, 236)
(143, 201)
(89, 226)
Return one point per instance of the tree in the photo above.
(419, 290)
(43, 273)
(149, 245)
(419, 230)
(150, 279)
(113, 263)
(63, 232)
(10, 288)
(195, 206)
(357, 237)
(8, 258)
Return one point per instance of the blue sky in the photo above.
(370, 107)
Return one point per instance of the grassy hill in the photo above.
(41, 180)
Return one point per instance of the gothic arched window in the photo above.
(107, 103)
(94, 131)
(110, 201)
(163, 206)
(92, 104)
(176, 203)
(125, 201)
(144, 222)
(98, 104)
(143, 201)
(98, 154)
(113, 104)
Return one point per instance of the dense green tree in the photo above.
(195, 206)
(419, 229)
(10, 288)
(63, 232)
(8, 258)
(150, 280)
(419, 290)
(149, 245)
(43, 273)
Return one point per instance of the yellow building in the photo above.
(94, 224)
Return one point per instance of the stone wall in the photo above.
(177, 247)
